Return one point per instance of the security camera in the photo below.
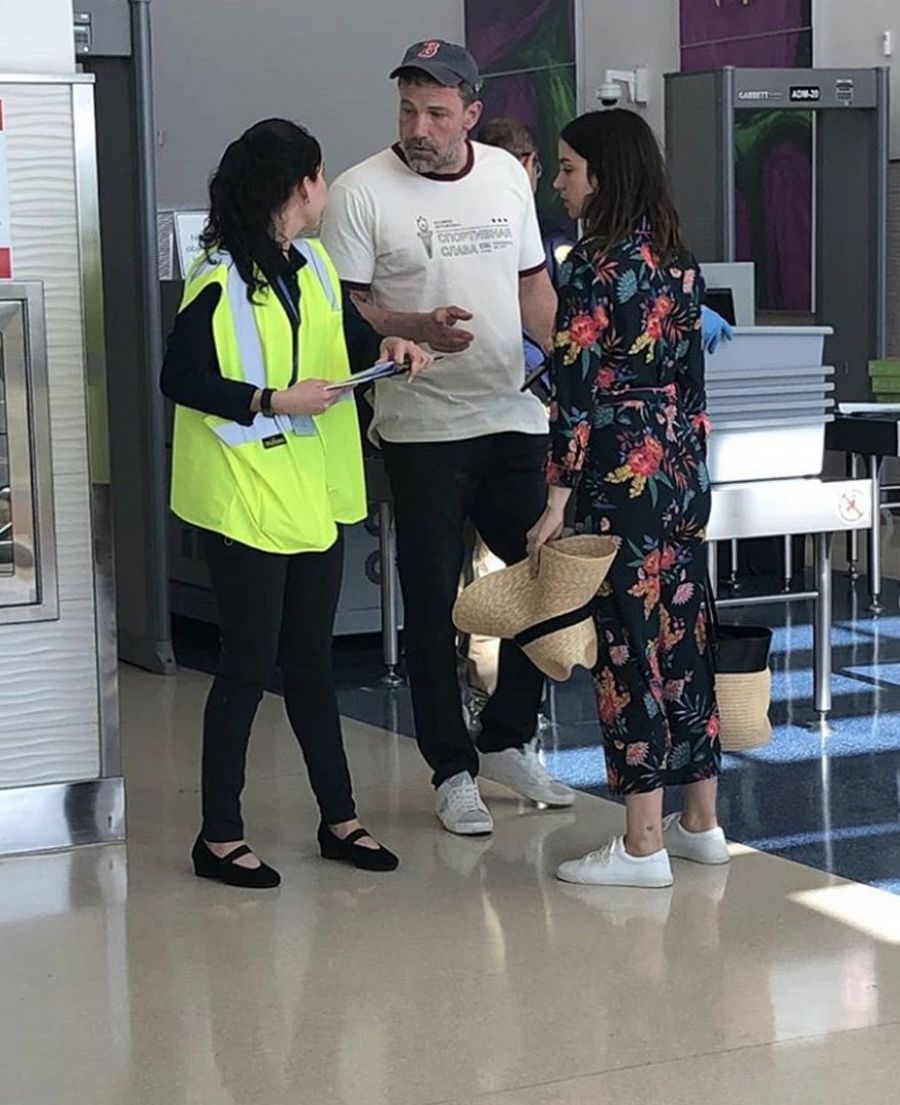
(615, 81)
(609, 94)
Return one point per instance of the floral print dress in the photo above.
(630, 425)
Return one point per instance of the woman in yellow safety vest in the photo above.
(267, 463)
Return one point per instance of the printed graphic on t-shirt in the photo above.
(454, 239)
(426, 235)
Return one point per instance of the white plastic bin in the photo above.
(766, 453)
(756, 347)
(745, 389)
(770, 408)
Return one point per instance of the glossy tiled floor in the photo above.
(469, 976)
(829, 798)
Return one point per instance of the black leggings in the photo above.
(273, 609)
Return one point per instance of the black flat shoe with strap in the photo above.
(207, 865)
(348, 851)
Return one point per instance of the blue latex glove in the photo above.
(715, 329)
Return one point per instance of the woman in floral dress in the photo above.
(630, 423)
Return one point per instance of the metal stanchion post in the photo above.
(853, 535)
(788, 562)
(822, 627)
(733, 581)
(713, 567)
(390, 593)
(875, 466)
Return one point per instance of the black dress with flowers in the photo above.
(629, 421)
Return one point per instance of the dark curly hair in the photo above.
(255, 179)
(628, 175)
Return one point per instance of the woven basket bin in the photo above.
(744, 709)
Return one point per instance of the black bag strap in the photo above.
(553, 625)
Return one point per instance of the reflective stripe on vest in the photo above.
(251, 351)
(315, 262)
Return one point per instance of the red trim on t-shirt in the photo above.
(469, 166)
(350, 285)
(542, 267)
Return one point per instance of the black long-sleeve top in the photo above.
(191, 374)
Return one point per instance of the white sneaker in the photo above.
(613, 866)
(708, 848)
(521, 770)
(460, 807)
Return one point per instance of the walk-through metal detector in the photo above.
(851, 113)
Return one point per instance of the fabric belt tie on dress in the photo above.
(640, 395)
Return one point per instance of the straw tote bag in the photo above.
(743, 680)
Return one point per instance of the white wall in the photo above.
(850, 33)
(49, 724)
(222, 66)
(621, 34)
(36, 36)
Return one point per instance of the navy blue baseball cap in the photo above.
(449, 64)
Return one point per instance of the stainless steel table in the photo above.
(764, 508)
(781, 508)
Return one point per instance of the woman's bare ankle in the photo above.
(699, 823)
(644, 845)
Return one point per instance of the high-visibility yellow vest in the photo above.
(281, 484)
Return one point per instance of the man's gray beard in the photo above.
(432, 165)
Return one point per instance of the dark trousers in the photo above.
(273, 609)
(498, 482)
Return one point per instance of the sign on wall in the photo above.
(5, 242)
(188, 228)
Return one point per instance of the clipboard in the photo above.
(383, 371)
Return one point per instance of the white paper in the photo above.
(368, 376)
(869, 408)
(188, 228)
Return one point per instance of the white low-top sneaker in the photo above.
(613, 866)
(521, 770)
(460, 807)
(709, 848)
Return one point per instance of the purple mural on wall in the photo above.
(793, 49)
(526, 52)
(787, 188)
(495, 29)
(706, 21)
(774, 149)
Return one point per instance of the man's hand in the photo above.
(439, 330)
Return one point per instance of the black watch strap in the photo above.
(265, 402)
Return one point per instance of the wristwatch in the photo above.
(265, 402)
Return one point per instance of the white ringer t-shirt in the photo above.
(420, 242)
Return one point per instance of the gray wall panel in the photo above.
(221, 66)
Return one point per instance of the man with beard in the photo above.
(433, 233)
